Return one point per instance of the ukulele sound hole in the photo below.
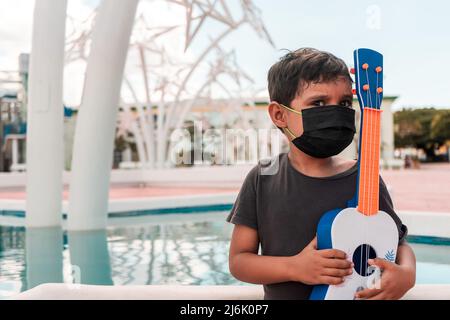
(363, 253)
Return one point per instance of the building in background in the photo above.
(13, 93)
(13, 119)
(244, 134)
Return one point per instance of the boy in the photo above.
(281, 210)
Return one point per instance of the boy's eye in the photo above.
(319, 103)
(347, 103)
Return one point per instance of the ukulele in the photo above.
(361, 230)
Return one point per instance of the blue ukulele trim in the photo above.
(390, 256)
(324, 242)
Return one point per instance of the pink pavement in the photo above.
(424, 189)
(121, 191)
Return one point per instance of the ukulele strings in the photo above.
(363, 164)
(368, 168)
(365, 172)
(378, 94)
(369, 177)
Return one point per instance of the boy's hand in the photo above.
(396, 280)
(312, 266)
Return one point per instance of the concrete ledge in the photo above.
(435, 224)
(63, 291)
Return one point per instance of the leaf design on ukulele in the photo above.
(390, 256)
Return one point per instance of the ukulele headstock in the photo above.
(368, 72)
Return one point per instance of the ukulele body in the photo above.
(361, 237)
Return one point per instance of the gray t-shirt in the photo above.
(285, 209)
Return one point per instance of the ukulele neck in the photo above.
(369, 177)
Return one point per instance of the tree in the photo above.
(425, 128)
(440, 126)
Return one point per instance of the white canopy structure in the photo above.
(45, 115)
(110, 39)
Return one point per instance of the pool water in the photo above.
(169, 249)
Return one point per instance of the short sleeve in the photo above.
(387, 206)
(244, 209)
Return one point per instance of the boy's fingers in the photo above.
(333, 253)
(313, 243)
(337, 263)
(367, 293)
(331, 280)
(379, 296)
(336, 272)
(381, 263)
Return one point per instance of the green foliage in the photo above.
(425, 128)
(120, 144)
(440, 126)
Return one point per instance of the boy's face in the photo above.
(338, 92)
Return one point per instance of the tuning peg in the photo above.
(353, 91)
(365, 66)
(379, 90)
(378, 69)
(352, 70)
(365, 87)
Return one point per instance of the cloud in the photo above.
(16, 24)
(15, 31)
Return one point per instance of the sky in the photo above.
(413, 36)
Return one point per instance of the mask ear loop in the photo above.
(289, 132)
(290, 109)
(286, 129)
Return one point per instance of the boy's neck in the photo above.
(310, 166)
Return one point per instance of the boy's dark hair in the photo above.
(297, 69)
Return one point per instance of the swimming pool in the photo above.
(158, 249)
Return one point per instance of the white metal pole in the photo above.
(96, 123)
(15, 152)
(387, 133)
(45, 115)
(44, 258)
(89, 253)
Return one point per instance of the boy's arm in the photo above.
(406, 258)
(396, 279)
(310, 266)
(245, 263)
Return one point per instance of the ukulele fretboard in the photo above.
(368, 195)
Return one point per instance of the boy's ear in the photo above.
(278, 114)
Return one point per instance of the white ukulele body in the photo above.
(353, 232)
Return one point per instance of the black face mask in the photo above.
(327, 130)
